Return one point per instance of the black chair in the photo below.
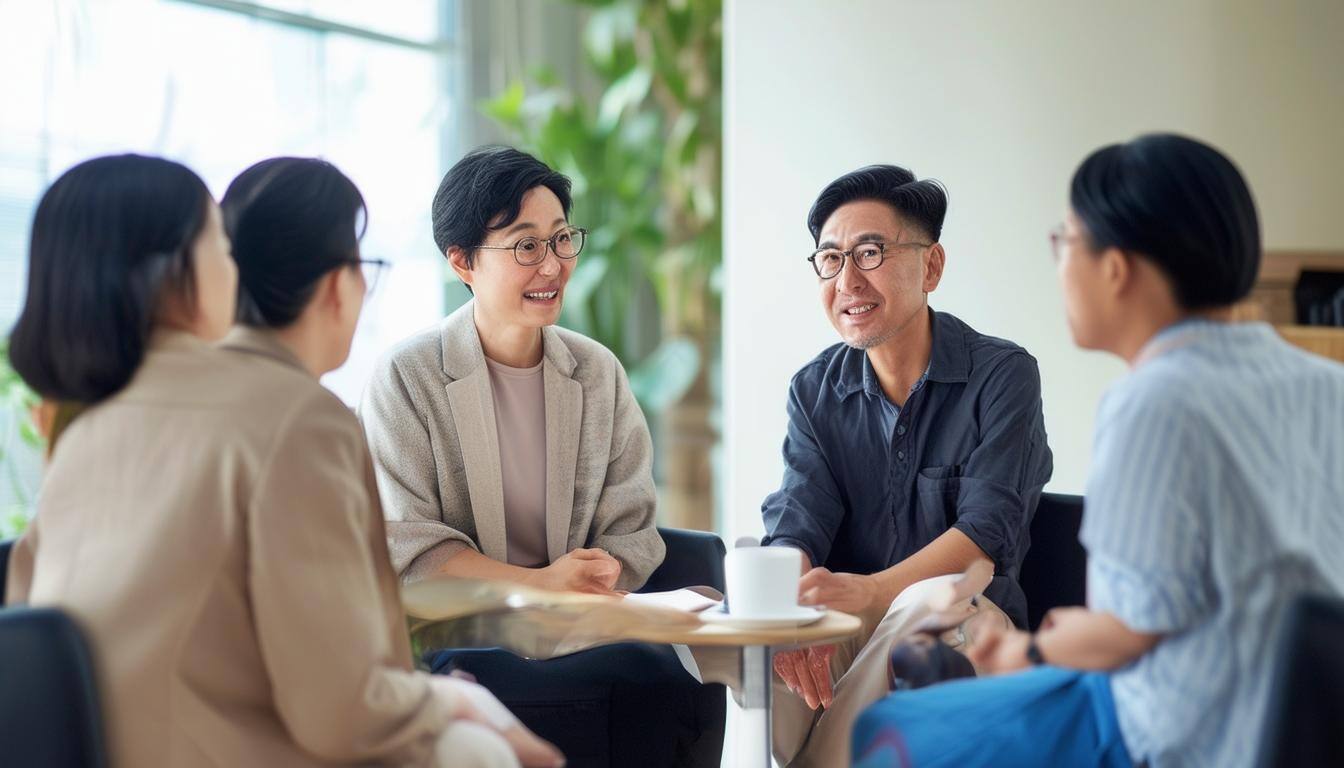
(1306, 707)
(582, 701)
(1054, 571)
(694, 558)
(49, 713)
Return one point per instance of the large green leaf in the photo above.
(625, 93)
(507, 107)
(599, 40)
(663, 377)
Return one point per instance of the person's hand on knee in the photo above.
(807, 673)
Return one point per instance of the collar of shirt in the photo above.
(1190, 330)
(949, 362)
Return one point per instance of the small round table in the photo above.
(538, 624)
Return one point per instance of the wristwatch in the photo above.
(1034, 653)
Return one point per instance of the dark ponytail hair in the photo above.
(292, 220)
(111, 237)
(1179, 203)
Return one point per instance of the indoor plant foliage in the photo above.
(20, 445)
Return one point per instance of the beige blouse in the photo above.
(215, 529)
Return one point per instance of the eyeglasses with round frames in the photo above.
(866, 256)
(531, 251)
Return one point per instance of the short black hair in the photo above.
(484, 191)
(111, 238)
(292, 220)
(1179, 203)
(921, 203)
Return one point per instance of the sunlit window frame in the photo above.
(442, 44)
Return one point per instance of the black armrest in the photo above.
(694, 558)
(1054, 571)
(1305, 709)
(5, 546)
(49, 711)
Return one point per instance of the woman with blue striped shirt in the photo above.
(1213, 499)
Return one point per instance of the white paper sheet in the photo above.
(677, 599)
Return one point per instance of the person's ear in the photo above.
(1117, 271)
(934, 260)
(327, 297)
(457, 259)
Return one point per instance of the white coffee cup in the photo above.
(763, 581)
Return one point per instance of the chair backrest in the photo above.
(694, 558)
(1306, 708)
(49, 713)
(5, 546)
(1054, 571)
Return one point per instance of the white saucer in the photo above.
(798, 617)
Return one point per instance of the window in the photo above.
(218, 85)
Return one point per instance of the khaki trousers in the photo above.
(804, 738)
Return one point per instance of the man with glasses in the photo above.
(915, 449)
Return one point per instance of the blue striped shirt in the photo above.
(1216, 495)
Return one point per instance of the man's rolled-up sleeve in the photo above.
(806, 511)
(1002, 480)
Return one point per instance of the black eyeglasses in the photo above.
(372, 269)
(1059, 238)
(829, 261)
(530, 251)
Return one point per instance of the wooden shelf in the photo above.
(1324, 341)
(1272, 299)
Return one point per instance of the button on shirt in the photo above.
(1215, 498)
(867, 484)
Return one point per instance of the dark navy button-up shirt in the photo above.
(867, 484)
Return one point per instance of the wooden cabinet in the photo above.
(1272, 299)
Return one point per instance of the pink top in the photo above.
(520, 421)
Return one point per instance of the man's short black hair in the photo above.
(484, 191)
(920, 203)
(1179, 203)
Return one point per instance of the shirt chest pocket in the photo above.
(936, 490)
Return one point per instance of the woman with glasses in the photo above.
(507, 448)
(210, 517)
(295, 226)
(510, 449)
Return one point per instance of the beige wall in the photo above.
(1000, 101)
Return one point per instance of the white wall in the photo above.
(1000, 101)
